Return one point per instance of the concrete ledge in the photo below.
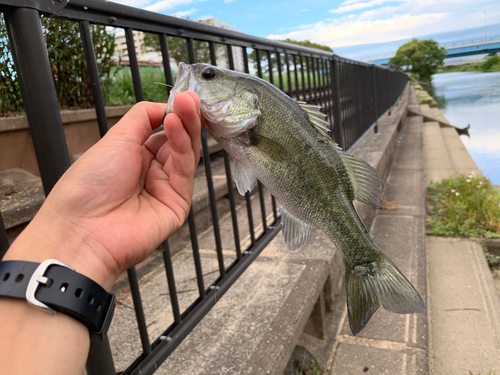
(21, 195)
(463, 309)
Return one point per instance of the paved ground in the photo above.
(393, 343)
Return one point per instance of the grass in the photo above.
(122, 90)
(464, 206)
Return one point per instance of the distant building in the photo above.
(148, 56)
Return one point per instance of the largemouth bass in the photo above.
(285, 145)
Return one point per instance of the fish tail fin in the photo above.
(382, 283)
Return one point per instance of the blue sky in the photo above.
(335, 23)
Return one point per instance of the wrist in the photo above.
(49, 237)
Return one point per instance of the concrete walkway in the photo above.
(463, 304)
(393, 343)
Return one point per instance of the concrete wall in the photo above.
(80, 127)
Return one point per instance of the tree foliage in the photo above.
(67, 61)
(422, 57)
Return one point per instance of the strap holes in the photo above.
(64, 287)
(98, 307)
(91, 299)
(79, 292)
(6, 276)
(19, 278)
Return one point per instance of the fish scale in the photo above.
(283, 144)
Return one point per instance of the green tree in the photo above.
(422, 57)
(67, 61)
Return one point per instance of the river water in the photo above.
(473, 98)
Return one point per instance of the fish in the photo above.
(285, 145)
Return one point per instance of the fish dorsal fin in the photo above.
(245, 181)
(365, 180)
(297, 234)
(317, 120)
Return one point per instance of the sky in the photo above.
(338, 24)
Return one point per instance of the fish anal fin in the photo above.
(365, 180)
(245, 181)
(296, 234)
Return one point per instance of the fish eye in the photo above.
(208, 73)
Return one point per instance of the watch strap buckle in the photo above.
(37, 278)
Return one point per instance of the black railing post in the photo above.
(375, 129)
(337, 114)
(95, 83)
(100, 359)
(4, 240)
(39, 93)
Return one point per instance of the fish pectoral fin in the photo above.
(297, 234)
(365, 180)
(245, 181)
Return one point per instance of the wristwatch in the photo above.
(55, 287)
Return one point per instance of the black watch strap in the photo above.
(56, 287)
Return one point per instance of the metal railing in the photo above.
(354, 95)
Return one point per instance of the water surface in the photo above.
(473, 98)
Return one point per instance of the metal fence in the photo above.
(353, 95)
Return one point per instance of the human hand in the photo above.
(123, 197)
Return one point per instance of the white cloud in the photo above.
(409, 18)
(186, 12)
(229, 1)
(154, 5)
(344, 8)
(165, 5)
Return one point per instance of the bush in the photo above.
(67, 61)
(465, 206)
(490, 63)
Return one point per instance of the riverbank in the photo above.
(488, 66)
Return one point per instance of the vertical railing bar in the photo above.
(172, 290)
(248, 199)
(324, 85)
(139, 311)
(211, 47)
(358, 102)
(95, 83)
(314, 82)
(190, 50)
(309, 88)
(196, 253)
(259, 184)
(134, 65)
(280, 72)
(257, 60)
(303, 78)
(39, 93)
(4, 239)
(213, 203)
(270, 67)
(229, 179)
(100, 358)
(230, 56)
(296, 76)
(288, 76)
(232, 204)
(245, 59)
(330, 85)
(271, 80)
(337, 119)
(167, 70)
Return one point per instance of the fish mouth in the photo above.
(185, 81)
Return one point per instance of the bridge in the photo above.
(457, 49)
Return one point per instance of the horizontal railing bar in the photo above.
(118, 15)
